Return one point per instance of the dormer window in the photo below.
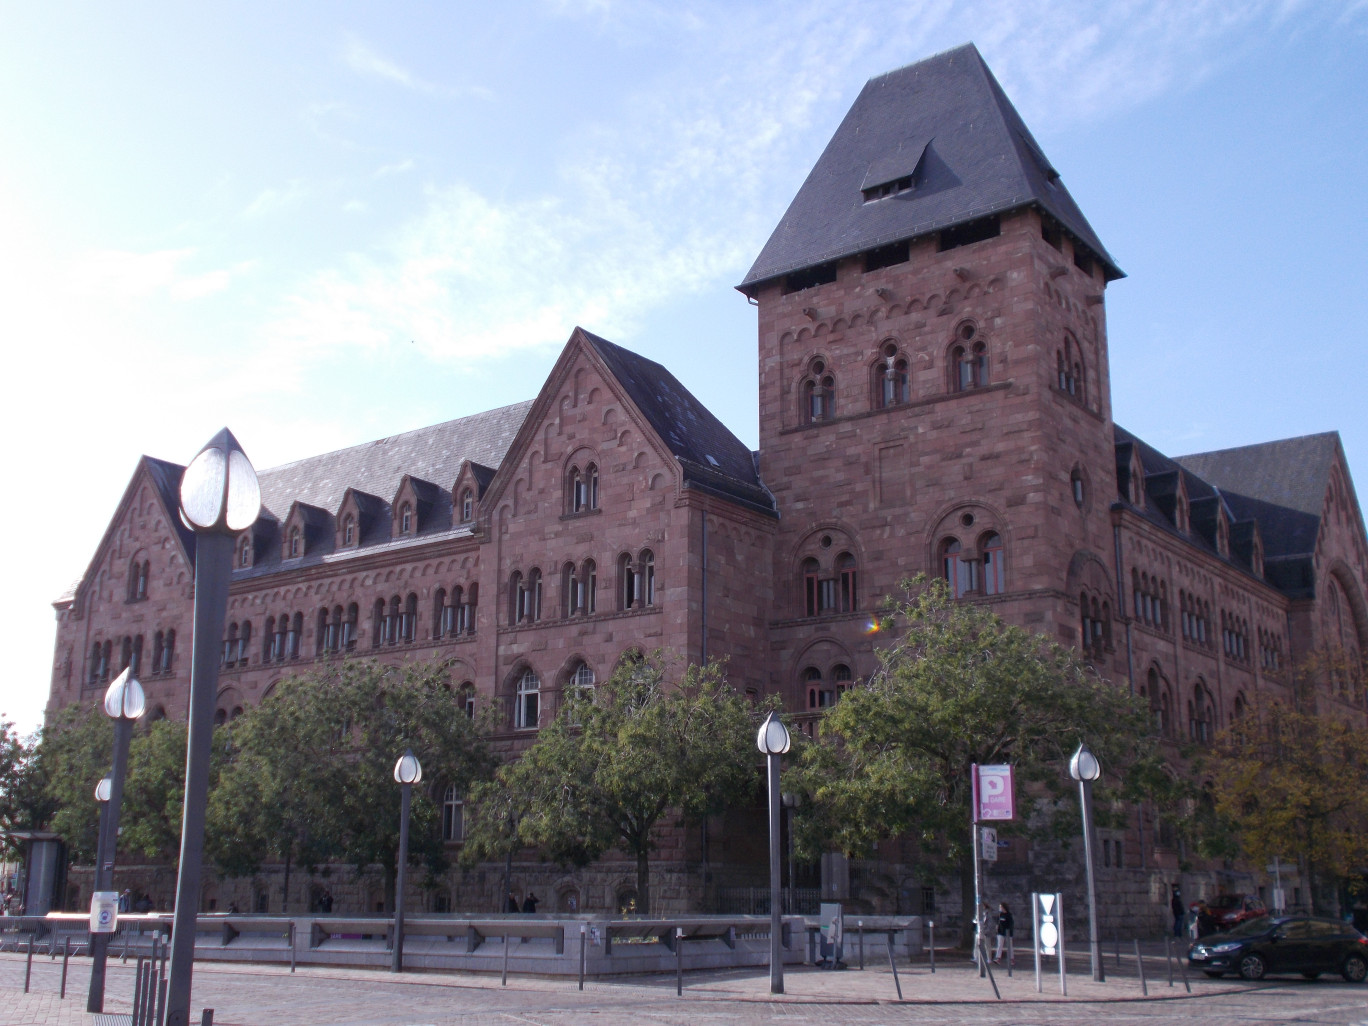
(296, 542)
(245, 552)
(467, 506)
(349, 530)
(406, 518)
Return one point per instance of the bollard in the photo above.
(1182, 968)
(125, 950)
(66, 957)
(1116, 948)
(679, 961)
(932, 926)
(892, 964)
(861, 923)
(584, 931)
(1140, 964)
(1011, 955)
(292, 945)
(1168, 958)
(504, 981)
(28, 965)
(207, 1017)
(140, 993)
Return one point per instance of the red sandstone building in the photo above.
(934, 397)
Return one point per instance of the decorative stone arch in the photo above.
(821, 655)
(1357, 612)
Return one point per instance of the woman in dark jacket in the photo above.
(1004, 930)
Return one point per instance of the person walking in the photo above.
(511, 905)
(1179, 912)
(1004, 931)
(530, 903)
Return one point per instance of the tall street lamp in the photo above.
(124, 702)
(1085, 768)
(773, 741)
(407, 772)
(219, 497)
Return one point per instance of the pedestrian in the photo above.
(126, 901)
(1179, 912)
(530, 903)
(511, 905)
(1004, 931)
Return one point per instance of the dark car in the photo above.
(1284, 944)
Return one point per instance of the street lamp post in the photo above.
(123, 703)
(407, 772)
(219, 497)
(773, 741)
(1085, 768)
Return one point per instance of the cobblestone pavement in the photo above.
(245, 995)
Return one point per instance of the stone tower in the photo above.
(934, 390)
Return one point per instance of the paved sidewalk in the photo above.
(245, 995)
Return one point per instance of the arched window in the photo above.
(245, 552)
(244, 641)
(810, 571)
(392, 616)
(349, 626)
(526, 596)
(646, 578)
(453, 816)
(580, 684)
(408, 624)
(584, 488)
(819, 696)
(293, 636)
(591, 479)
(628, 586)
(578, 497)
(528, 701)
(441, 614)
(994, 565)
(467, 506)
(268, 641)
(1078, 487)
(819, 393)
(1201, 714)
(959, 568)
(296, 546)
(891, 387)
(168, 653)
(406, 518)
(588, 582)
(1069, 369)
(321, 633)
(349, 530)
(841, 677)
(845, 571)
(378, 623)
(137, 580)
(135, 657)
(968, 360)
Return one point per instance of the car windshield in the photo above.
(1226, 901)
(1249, 928)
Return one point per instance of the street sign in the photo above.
(1049, 919)
(994, 795)
(989, 843)
(104, 911)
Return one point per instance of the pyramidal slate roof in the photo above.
(431, 453)
(945, 123)
(713, 459)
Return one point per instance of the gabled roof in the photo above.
(432, 453)
(712, 458)
(1291, 472)
(944, 122)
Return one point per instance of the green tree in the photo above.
(616, 759)
(1289, 783)
(957, 686)
(23, 803)
(308, 774)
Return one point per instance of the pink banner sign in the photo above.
(994, 795)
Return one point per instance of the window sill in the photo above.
(582, 513)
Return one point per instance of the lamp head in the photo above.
(103, 788)
(1084, 765)
(125, 700)
(219, 490)
(773, 737)
(408, 770)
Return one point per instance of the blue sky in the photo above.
(321, 223)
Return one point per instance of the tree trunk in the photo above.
(643, 885)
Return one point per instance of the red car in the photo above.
(1227, 910)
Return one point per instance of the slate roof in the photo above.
(946, 122)
(1291, 472)
(713, 459)
(431, 453)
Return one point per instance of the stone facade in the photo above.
(934, 398)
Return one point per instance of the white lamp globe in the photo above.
(125, 699)
(772, 737)
(103, 789)
(1084, 765)
(408, 770)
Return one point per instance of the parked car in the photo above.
(1284, 944)
(1227, 910)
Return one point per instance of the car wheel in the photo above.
(1310, 975)
(1252, 967)
(1214, 976)
(1355, 968)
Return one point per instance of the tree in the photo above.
(308, 774)
(957, 686)
(615, 760)
(23, 804)
(1289, 782)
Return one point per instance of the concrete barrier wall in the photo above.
(543, 945)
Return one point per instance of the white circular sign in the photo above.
(1049, 935)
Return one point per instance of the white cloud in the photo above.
(397, 168)
(272, 200)
(365, 61)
